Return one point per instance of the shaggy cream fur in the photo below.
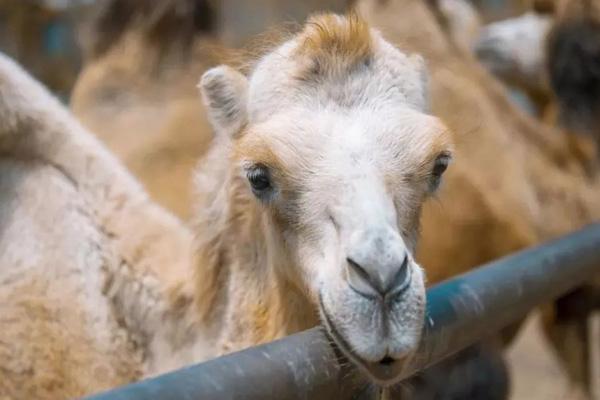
(86, 259)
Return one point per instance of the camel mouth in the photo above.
(384, 372)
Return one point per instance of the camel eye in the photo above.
(441, 164)
(259, 178)
(439, 167)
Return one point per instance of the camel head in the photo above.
(332, 142)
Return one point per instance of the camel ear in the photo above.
(224, 93)
(420, 99)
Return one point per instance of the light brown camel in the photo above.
(104, 291)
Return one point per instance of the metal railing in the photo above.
(459, 312)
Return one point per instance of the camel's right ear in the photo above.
(225, 93)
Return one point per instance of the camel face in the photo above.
(332, 143)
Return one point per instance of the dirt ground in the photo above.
(535, 372)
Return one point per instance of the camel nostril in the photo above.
(359, 270)
(399, 279)
(360, 280)
(387, 360)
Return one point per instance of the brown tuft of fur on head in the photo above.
(163, 24)
(331, 41)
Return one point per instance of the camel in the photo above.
(306, 253)
(565, 62)
(274, 253)
(563, 34)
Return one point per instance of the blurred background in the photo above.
(47, 35)
(70, 45)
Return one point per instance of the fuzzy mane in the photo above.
(163, 24)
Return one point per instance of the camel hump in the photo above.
(163, 23)
(32, 121)
(34, 125)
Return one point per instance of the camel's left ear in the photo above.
(420, 97)
(225, 93)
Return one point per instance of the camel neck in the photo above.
(242, 295)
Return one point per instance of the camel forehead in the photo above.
(332, 142)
